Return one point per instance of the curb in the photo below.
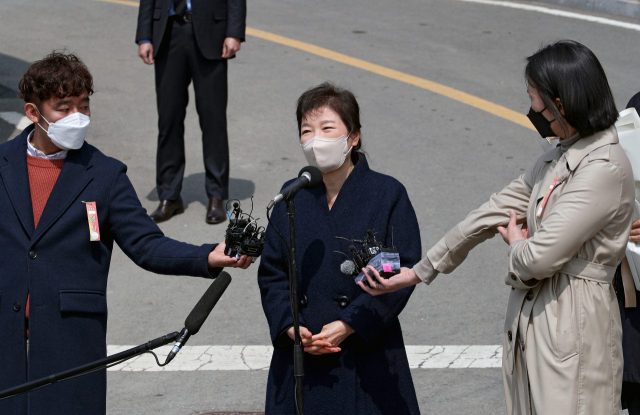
(627, 8)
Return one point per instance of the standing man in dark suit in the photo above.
(191, 40)
(63, 205)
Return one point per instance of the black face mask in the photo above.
(542, 124)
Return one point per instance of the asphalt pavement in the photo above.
(450, 157)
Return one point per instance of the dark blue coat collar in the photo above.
(15, 176)
(351, 188)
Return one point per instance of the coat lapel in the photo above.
(347, 197)
(563, 168)
(351, 189)
(72, 180)
(15, 177)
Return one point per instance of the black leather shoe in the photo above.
(215, 211)
(167, 209)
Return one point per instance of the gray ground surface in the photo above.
(448, 155)
(628, 8)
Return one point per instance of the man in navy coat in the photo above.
(63, 204)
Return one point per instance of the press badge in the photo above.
(92, 217)
(546, 196)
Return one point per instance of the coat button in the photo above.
(16, 306)
(343, 301)
(509, 335)
(513, 288)
(33, 254)
(530, 295)
(513, 277)
(304, 300)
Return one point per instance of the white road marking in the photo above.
(561, 13)
(193, 358)
(454, 357)
(19, 120)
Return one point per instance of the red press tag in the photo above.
(546, 196)
(92, 216)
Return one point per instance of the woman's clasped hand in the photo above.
(327, 341)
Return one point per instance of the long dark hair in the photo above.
(570, 71)
(340, 100)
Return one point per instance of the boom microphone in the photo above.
(309, 178)
(192, 325)
(200, 312)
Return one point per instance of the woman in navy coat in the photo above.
(355, 361)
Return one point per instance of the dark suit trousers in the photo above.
(177, 63)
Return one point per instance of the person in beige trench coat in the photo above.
(562, 343)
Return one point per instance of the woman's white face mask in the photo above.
(69, 132)
(327, 154)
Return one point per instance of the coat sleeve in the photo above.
(592, 200)
(142, 241)
(273, 280)
(237, 18)
(145, 20)
(481, 224)
(369, 316)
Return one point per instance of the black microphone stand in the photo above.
(89, 367)
(298, 351)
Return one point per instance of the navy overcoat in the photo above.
(371, 374)
(66, 274)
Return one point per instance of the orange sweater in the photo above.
(43, 174)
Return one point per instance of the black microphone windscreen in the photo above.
(201, 311)
(316, 176)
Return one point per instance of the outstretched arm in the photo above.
(142, 241)
(480, 225)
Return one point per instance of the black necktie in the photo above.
(180, 7)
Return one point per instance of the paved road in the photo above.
(449, 155)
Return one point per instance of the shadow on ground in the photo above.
(193, 190)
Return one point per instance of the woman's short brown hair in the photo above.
(340, 100)
(59, 74)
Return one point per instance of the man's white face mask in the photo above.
(327, 154)
(69, 132)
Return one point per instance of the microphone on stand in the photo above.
(309, 178)
(200, 312)
(192, 325)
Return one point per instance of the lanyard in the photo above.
(92, 217)
(546, 196)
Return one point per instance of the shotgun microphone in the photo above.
(200, 312)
